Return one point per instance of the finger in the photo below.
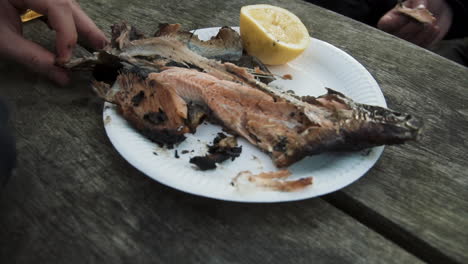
(34, 57)
(87, 29)
(410, 31)
(392, 22)
(60, 18)
(426, 36)
(11, 18)
(437, 36)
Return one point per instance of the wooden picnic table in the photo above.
(74, 199)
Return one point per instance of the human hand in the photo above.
(422, 34)
(68, 21)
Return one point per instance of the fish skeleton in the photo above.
(165, 90)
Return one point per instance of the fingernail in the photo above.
(384, 23)
(387, 17)
(64, 56)
(63, 59)
(60, 61)
(421, 6)
(102, 44)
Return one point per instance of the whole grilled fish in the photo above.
(165, 90)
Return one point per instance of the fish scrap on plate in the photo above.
(166, 85)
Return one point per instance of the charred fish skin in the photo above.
(374, 125)
(347, 126)
(355, 127)
(225, 46)
(222, 149)
(381, 126)
(148, 106)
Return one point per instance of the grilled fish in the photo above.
(165, 89)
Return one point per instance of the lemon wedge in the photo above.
(272, 34)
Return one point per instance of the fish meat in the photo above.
(419, 13)
(165, 89)
(276, 181)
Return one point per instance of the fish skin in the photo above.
(225, 46)
(123, 34)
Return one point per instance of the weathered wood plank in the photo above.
(137, 220)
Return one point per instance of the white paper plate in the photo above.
(321, 65)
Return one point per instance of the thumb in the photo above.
(392, 21)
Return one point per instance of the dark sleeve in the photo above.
(365, 11)
(459, 28)
(7, 146)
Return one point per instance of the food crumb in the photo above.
(107, 120)
(176, 155)
(276, 180)
(155, 153)
(287, 77)
(366, 152)
(223, 148)
(185, 151)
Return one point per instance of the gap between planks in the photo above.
(388, 229)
